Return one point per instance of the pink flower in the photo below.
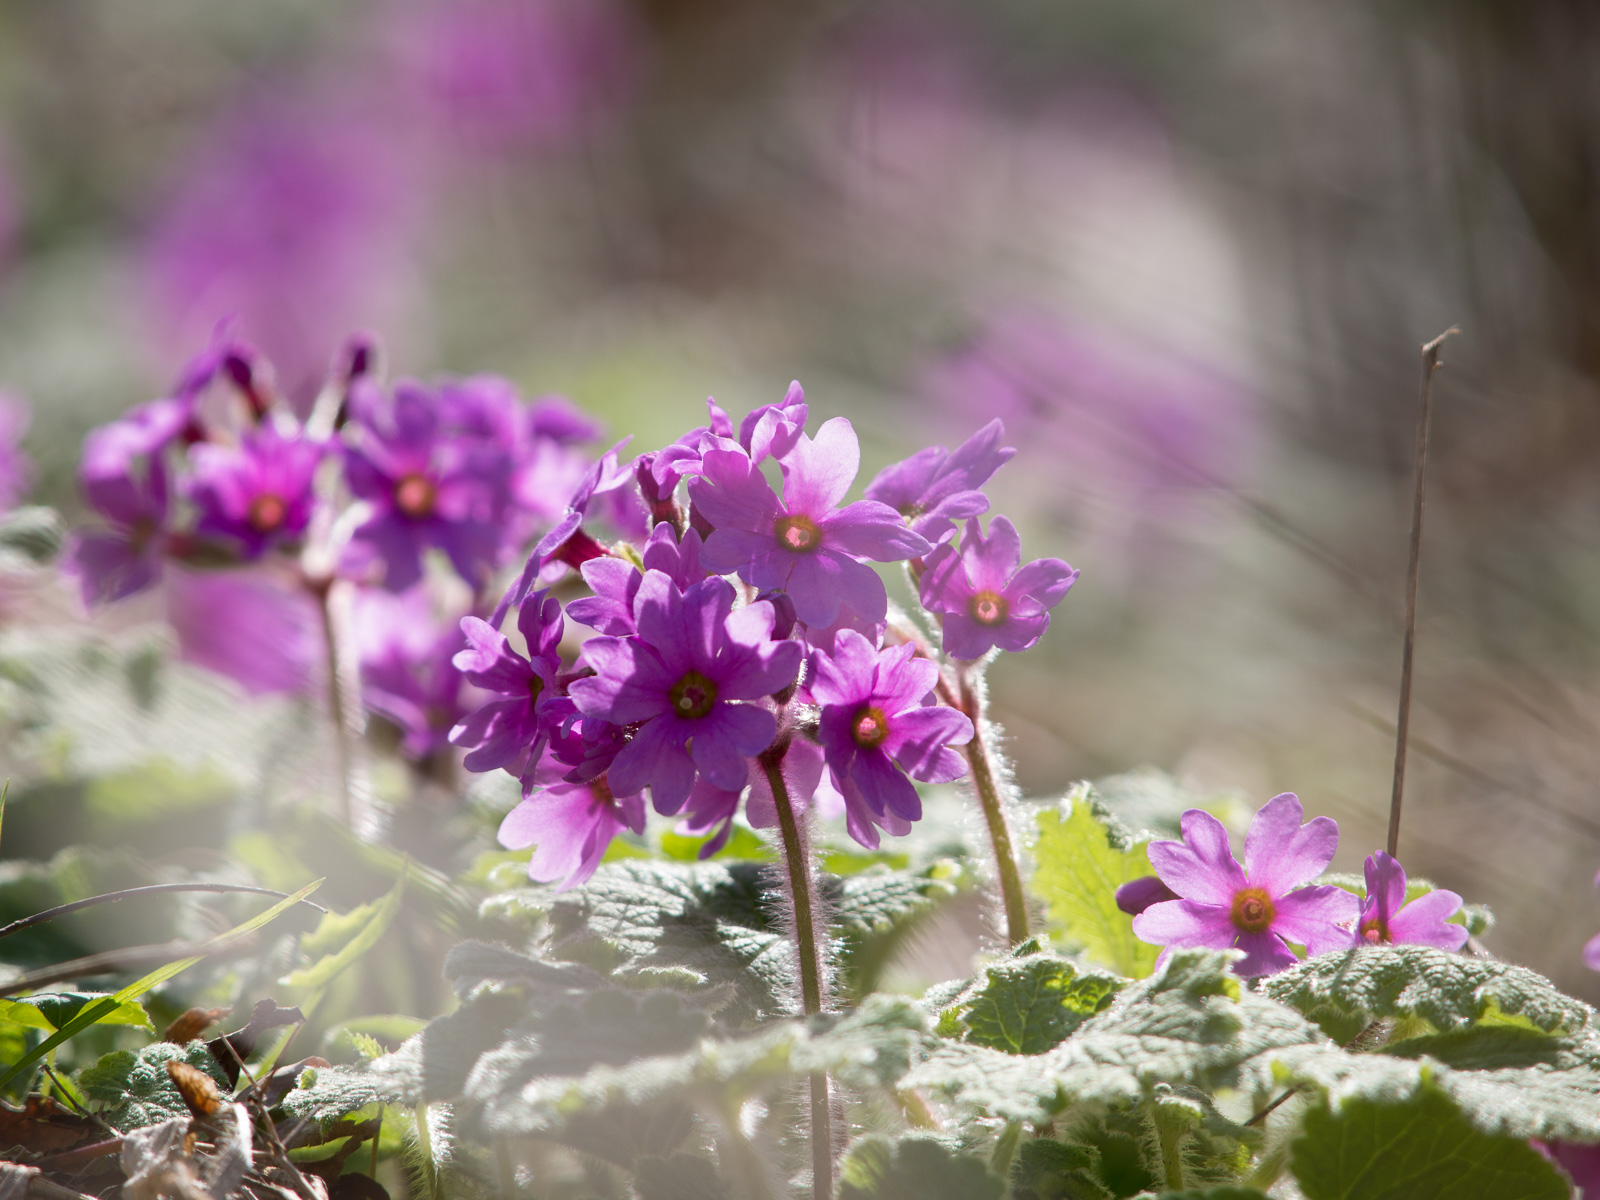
(1260, 908)
(982, 597)
(1591, 952)
(1385, 916)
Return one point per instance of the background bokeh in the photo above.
(1187, 252)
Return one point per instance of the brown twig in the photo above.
(108, 962)
(1430, 364)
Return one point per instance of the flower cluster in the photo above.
(247, 515)
(1201, 896)
(746, 647)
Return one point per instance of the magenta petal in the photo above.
(1185, 923)
(522, 825)
(1201, 867)
(867, 529)
(965, 639)
(1265, 954)
(1386, 887)
(716, 752)
(656, 755)
(818, 471)
(923, 734)
(1426, 922)
(1279, 853)
(1591, 953)
(993, 560)
(1319, 918)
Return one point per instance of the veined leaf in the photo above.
(136, 1089)
(1027, 1004)
(52, 1010)
(1083, 856)
(1421, 1148)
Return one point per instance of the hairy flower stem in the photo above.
(994, 813)
(797, 860)
(1430, 364)
(346, 719)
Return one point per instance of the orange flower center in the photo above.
(693, 695)
(1372, 930)
(267, 512)
(415, 494)
(987, 608)
(1252, 910)
(869, 727)
(798, 533)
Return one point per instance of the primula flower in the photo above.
(571, 824)
(511, 729)
(426, 487)
(257, 493)
(1261, 908)
(875, 724)
(1139, 894)
(1386, 917)
(408, 675)
(685, 677)
(983, 600)
(615, 581)
(936, 487)
(250, 625)
(1591, 951)
(803, 543)
(711, 809)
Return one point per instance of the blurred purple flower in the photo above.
(687, 677)
(125, 480)
(876, 729)
(981, 596)
(407, 673)
(511, 729)
(936, 487)
(1581, 1163)
(500, 74)
(291, 214)
(804, 543)
(16, 472)
(427, 487)
(250, 625)
(1258, 909)
(1591, 951)
(1139, 894)
(570, 824)
(1387, 918)
(711, 809)
(257, 493)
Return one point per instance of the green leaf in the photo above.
(135, 1089)
(874, 911)
(92, 1013)
(1190, 1024)
(1227, 1191)
(1083, 856)
(1344, 992)
(341, 939)
(1026, 1005)
(915, 1168)
(743, 842)
(52, 1010)
(1050, 1170)
(1421, 1149)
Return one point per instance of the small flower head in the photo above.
(570, 824)
(804, 543)
(1261, 907)
(983, 600)
(687, 680)
(1386, 917)
(258, 493)
(876, 730)
(936, 487)
(511, 729)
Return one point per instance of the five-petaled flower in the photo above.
(981, 596)
(875, 723)
(1261, 907)
(1387, 918)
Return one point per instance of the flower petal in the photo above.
(1264, 953)
(1425, 922)
(1185, 923)
(1279, 853)
(1386, 887)
(1319, 918)
(1201, 867)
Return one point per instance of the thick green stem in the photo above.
(992, 802)
(802, 898)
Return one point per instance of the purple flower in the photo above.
(258, 492)
(427, 488)
(803, 543)
(1591, 951)
(125, 481)
(687, 677)
(1386, 917)
(1581, 1163)
(876, 724)
(511, 729)
(571, 824)
(251, 626)
(1261, 908)
(982, 598)
(1139, 894)
(936, 487)
(615, 581)
(407, 673)
(711, 809)
(15, 470)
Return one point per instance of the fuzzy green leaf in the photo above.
(1344, 992)
(1051, 1170)
(915, 1168)
(1083, 856)
(1421, 1149)
(135, 1090)
(52, 1010)
(1026, 1005)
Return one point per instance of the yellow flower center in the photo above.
(987, 608)
(869, 727)
(798, 533)
(693, 695)
(1252, 910)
